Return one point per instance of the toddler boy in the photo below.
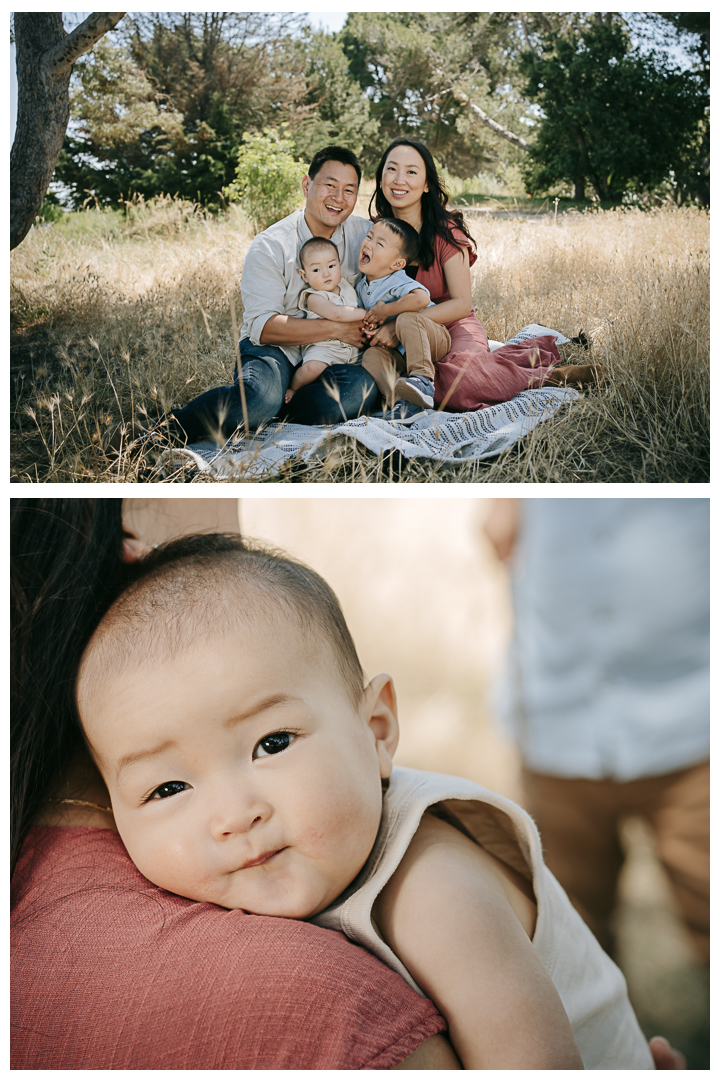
(388, 292)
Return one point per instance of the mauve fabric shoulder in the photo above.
(111, 972)
(434, 278)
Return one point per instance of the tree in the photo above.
(45, 55)
(338, 110)
(438, 77)
(616, 117)
(166, 109)
(692, 168)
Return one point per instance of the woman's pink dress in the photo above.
(470, 376)
(109, 972)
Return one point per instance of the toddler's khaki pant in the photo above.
(424, 341)
(578, 822)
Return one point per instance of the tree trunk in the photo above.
(45, 55)
(579, 192)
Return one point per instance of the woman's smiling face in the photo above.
(404, 179)
(240, 771)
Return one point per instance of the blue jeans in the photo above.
(342, 392)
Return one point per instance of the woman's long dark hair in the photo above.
(65, 561)
(436, 218)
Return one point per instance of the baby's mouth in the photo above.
(364, 258)
(260, 859)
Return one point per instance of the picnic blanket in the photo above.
(439, 436)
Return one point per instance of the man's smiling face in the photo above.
(331, 196)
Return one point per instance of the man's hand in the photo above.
(351, 333)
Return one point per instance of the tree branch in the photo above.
(58, 60)
(516, 140)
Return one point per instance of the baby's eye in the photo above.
(274, 744)
(172, 787)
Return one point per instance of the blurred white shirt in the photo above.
(608, 671)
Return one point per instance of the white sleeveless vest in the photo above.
(591, 988)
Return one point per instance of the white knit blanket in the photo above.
(442, 437)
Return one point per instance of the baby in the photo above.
(249, 765)
(384, 292)
(328, 296)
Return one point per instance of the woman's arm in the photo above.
(457, 279)
(334, 312)
(462, 928)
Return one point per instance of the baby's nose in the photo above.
(238, 814)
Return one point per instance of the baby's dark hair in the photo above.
(410, 239)
(312, 245)
(200, 587)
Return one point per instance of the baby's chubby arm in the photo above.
(337, 312)
(462, 926)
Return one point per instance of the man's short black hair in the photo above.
(334, 153)
(312, 244)
(409, 238)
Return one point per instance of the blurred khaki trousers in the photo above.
(425, 342)
(578, 822)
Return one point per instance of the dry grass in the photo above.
(118, 315)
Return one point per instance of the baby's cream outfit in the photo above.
(332, 351)
(591, 987)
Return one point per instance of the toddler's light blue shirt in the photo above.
(385, 290)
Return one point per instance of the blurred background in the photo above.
(428, 600)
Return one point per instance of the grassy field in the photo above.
(127, 312)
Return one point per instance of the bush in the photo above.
(50, 211)
(267, 180)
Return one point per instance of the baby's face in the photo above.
(380, 253)
(240, 772)
(322, 269)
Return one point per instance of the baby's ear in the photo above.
(399, 264)
(302, 275)
(380, 706)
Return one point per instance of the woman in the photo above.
(469, 376)
(108, 971)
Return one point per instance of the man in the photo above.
(607, 688)
(273, 329)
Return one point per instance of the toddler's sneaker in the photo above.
(417, 389)
(403, 410)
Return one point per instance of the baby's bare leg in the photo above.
(304, 375)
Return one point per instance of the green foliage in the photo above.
(164, 108)
(621, 119)
(338, 112)
(267, 182)
(410, 64)
(50, 211)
